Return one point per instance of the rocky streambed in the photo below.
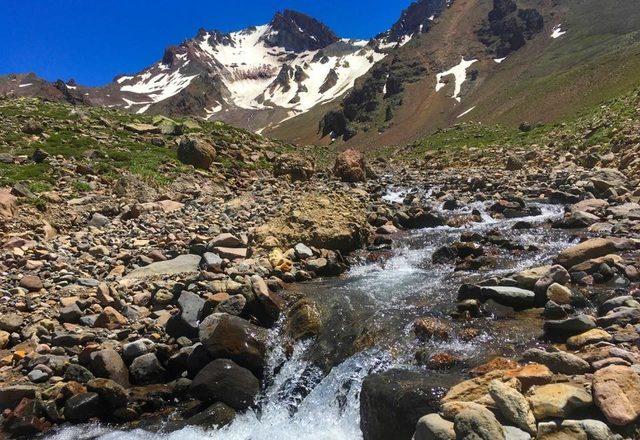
(427, 304)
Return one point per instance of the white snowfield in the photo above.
(557, 31)
(252, 72)
(459, 73)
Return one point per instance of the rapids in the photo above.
(367, 315)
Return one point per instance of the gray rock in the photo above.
(98, 220)
(620, 316)
(212, 262)
(303, 251)
(558, 362)
(147, 369)
(513, 433)
(132, 350)
(570, 326)
(477, 424)
(509, 296)
(182, 264)
(82, 407)
(434, 427)
(513, 406)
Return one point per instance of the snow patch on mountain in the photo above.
(459, 73)
(557, 31)
(159, 87)
(466, 112)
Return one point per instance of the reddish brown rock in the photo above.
(616, 390)
(350, 166)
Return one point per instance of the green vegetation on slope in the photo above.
(598, 127)
(104, 140)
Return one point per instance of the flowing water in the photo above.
(367, 313)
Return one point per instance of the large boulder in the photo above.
(225, 381)
(616, 390)
(350, 166)
(186, 323)
(587, 250)
(231, 337)
(333, 221)
(295, 166)
(196, 152)
(391, 403)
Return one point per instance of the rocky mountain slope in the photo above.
(502, 61)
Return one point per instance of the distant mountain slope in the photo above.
(499, 61)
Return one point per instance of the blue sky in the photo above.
(91, 41)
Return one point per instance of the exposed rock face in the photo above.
(391, 403)
(299, 32)
(196, 152)
(415, 19)
(508, 27)
(335, 222)
(350, 166)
